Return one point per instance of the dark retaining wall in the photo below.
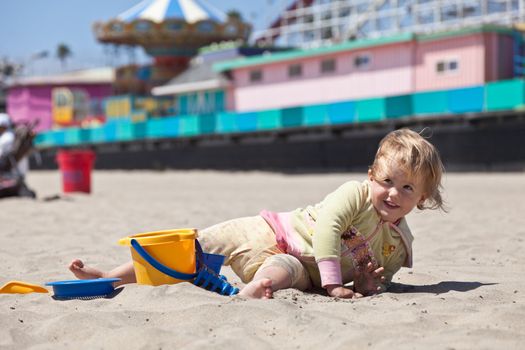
(490, 143)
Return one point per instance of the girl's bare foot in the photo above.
(84, 272)
(259, 289)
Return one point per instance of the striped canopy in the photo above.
(158, 10)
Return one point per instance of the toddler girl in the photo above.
(358, 233)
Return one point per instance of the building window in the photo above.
(328, 66)
(231, 29)
(205, 27)
(255, 75)
(362, 61)
(295, 70)
(447, 66)
(440, 67)
(143, 26)
(117, 27)
(173, 26)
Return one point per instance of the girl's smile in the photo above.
(391, 204)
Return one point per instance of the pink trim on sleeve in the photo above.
(330, 270)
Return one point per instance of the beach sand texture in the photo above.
(466, 290)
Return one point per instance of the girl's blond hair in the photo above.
(416, 156)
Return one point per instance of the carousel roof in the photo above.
(158, 10)
(174, 28)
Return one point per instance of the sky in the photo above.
(30, 27)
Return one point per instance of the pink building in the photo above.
(29, 98)
(463, 58)
(396, 65)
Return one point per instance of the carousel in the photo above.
(171, 31)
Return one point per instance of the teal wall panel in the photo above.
(97, 134)
(431, 102)
(59, 137)
(398, 106)
(507, 94)
(269, 119)
(171, 126)
(76, 136)
(189, 125)
(72, 136)
(155, 128)
(124, 129)
(292, 117)
(341, 112)
(372, 109)
(43, 139)
(466, 100)
(315, 115)
(110, 131)
(207, 123)
(139, 130)
(247, 122)
(227, 122)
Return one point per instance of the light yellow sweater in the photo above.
(344, 232)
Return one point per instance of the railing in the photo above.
(325, 23)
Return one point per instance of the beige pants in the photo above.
(249, 245)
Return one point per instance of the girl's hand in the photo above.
(368, 282)
(338, 291)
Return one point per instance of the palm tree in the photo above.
(234, 15)
(63, 53)
(9, 69)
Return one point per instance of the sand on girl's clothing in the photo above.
(466, 290)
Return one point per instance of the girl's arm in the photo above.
(337, 211)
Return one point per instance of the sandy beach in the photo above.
(466, 290)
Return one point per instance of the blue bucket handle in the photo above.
(202, 278)
(199, 255)
(162, 268)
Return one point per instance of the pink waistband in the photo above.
(275, 221)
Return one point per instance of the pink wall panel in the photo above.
(389, 73)
(30, 103)
(469, 51)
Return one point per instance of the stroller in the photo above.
(12, 182)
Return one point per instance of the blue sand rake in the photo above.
(208, 270)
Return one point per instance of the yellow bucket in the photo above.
(174, 249)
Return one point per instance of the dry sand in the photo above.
(466, 290)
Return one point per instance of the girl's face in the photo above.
(394, 194)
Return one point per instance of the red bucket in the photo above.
(75, 166)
